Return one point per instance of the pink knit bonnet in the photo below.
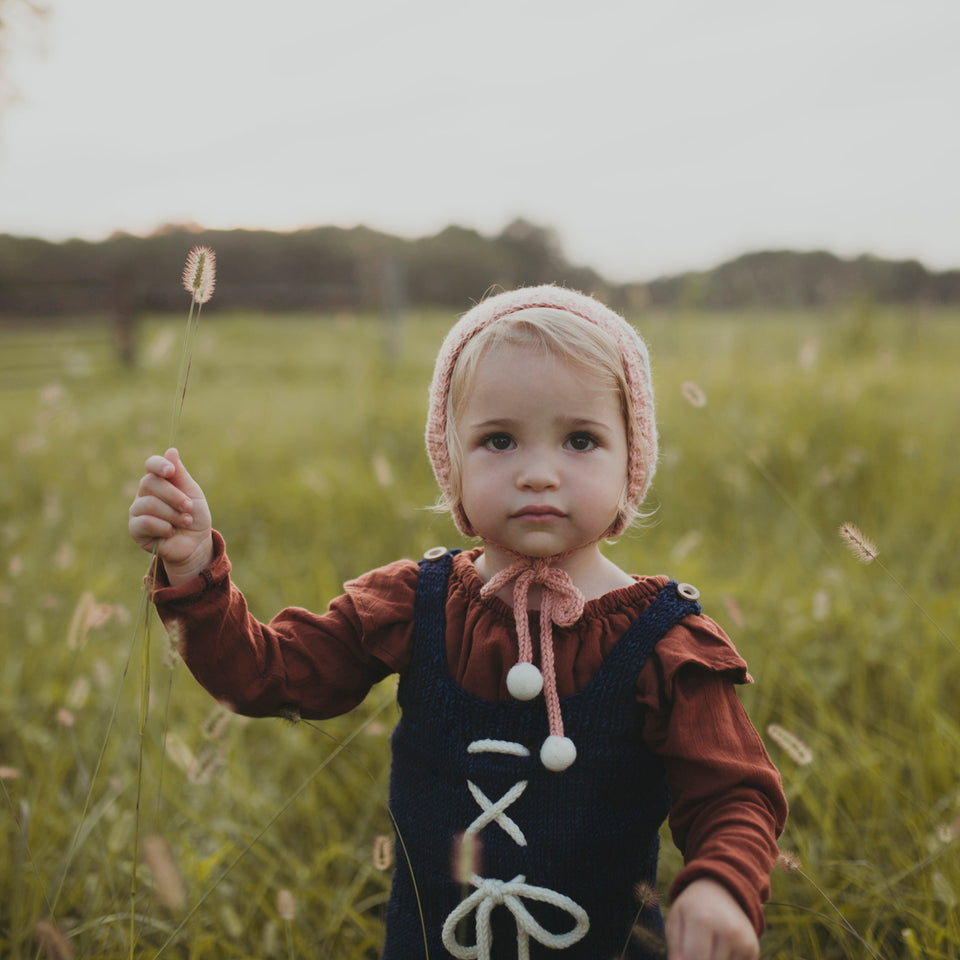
(641, 430)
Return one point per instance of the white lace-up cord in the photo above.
(511, 893)
(494, 812)
(561, 603)
(498, 746)
(489, 893)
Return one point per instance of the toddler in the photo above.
(554, 710)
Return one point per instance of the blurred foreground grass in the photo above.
(306, 434)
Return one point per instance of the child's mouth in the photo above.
(538, 514)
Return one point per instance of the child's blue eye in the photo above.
(498, 441)
(582, 442)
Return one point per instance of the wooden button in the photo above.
(688, 591)
(434, 553)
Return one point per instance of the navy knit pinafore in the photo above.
(559, 853)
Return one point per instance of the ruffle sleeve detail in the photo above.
(699, 642)
(383, 601)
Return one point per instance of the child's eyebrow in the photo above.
(570, 423)
(587, 423)
(494, 422)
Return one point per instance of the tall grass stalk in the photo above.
(82, 825)
(199, 278)
(341, 746)
(790, 864)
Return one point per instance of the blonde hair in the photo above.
(551, 332)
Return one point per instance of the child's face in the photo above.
(544, 452)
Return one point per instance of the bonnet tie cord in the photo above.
(561, 604)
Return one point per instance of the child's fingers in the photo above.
(152, 517)
(163, 501)
(152, 485)
(168, 482)
(160, 466)
(179, 476)
(147, 529)
(169, 512)
(170, 467)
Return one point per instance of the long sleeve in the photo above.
(728, 806)
(320, 665)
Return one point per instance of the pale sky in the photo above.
(654, 137)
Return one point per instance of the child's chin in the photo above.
(541, 546)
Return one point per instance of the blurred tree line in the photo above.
(791, 279)
(362, 269)
(320, 268)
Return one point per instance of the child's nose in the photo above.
(538, 473)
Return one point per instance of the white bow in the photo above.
(490, 893)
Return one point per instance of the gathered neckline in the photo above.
(639, 594)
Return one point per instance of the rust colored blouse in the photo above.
(728, 806)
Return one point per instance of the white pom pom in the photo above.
(557, 753)
(524, 681)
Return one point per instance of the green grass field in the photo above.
(306, 433)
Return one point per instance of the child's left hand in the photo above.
(706, 923)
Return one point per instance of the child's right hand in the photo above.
(171, 512)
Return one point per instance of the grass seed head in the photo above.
(862, 548)
(382, 470)
(787, 862)
(467, 857)
(216, 722)
(52, 940)
(734, 612)
(791, 744)
(645, 895)
(171, 649)
(181, 756)
(168, 886)
(693, 394)
(383, 852)
(286, 905)
(200, 273)
(81, 621)
(211, 759)
(949, 832)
